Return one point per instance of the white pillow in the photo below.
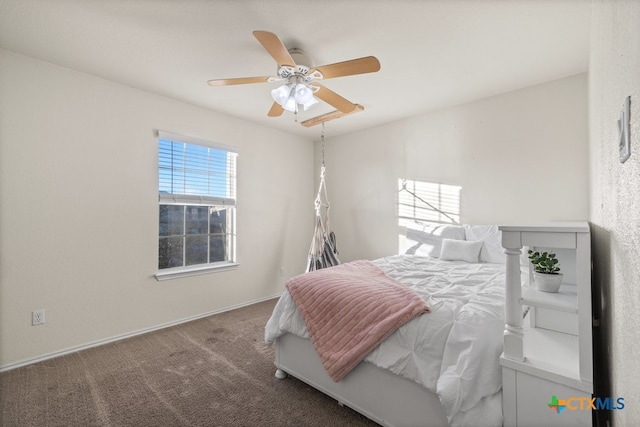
(460, 250)
(428, 239)
(491, 237)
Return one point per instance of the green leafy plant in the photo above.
(544, 262)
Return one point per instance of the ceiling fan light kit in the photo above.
(290, 95)
(301, 75)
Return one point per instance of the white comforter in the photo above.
(453, 351)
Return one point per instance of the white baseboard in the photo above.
(70, 350)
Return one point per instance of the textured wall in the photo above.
(614, 73)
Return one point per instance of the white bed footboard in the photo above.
(378, 394)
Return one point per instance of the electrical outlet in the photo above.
(37, 317)
(281, 271)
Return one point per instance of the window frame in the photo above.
(186, 200)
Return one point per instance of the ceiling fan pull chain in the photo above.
(322, 143)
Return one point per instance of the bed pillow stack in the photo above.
(469, 243)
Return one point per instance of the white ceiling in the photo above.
(433, 54)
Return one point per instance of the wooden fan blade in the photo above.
(276, 110)
(275, 47)
(332, 98)
(239, 81)
(330, 116)
(368, 64)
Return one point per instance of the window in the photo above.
(197, 197)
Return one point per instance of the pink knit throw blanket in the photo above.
(351, 308)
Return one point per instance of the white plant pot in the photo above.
(546, 282)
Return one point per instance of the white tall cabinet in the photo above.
(547, 352)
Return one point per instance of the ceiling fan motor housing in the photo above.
(301, 58)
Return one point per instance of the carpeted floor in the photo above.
(215, 371)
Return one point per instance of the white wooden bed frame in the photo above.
(378, 394)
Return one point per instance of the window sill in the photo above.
(177, 273)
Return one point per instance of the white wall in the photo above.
(614, 74)
(520, 156)
(79, 210)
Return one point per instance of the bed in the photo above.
(439, 368)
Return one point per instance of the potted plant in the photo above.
(546, 274)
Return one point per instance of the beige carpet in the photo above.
(215, 371)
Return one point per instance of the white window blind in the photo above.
(428, 202)
(195, 172)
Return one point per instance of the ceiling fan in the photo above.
(301, 88)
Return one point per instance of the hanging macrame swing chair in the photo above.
(323, 252)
